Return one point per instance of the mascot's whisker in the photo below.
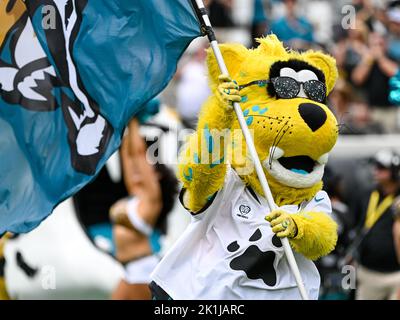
(277, 140)
(268, 117)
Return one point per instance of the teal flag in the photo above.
(72, 74)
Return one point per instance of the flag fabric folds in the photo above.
(72, 74)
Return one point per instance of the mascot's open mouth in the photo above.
(299, 164)
(298, 172)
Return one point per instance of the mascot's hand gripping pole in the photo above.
(208, 30)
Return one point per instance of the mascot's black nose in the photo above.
(313, 115)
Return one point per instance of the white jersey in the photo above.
(230, 252)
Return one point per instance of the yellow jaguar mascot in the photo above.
(229, 251)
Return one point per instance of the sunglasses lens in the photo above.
(315, 90)
(285, 87)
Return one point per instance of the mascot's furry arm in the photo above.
(316, 234)
(313, 234)
(202, 163)
(202, 167)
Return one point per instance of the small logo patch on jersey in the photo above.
(244, 211)
(319, 200)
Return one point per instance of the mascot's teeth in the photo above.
(276, 153)
(323, 159)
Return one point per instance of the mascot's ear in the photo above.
(326, 64)
(234, 54)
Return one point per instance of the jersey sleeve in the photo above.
(320, 203)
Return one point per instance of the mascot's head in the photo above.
(284, 103)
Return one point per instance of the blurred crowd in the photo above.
(363, 36)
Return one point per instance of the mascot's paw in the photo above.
(282, 224)
(228, 91)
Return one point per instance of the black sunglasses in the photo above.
(289, 88)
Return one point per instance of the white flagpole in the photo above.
(250, 144)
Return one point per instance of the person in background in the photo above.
(372, 13)
(92, 203)
(139, 221)
(394, 86)
(361, 121)
(330, 265)
(372, 74)
(294, 30)
(340, 102)
(350, 47)
(393, 21)
(259, 22)
(396, 227)
(394, 51)
(396, 232)
(378, 271)
(352, 111)
(220, 13)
